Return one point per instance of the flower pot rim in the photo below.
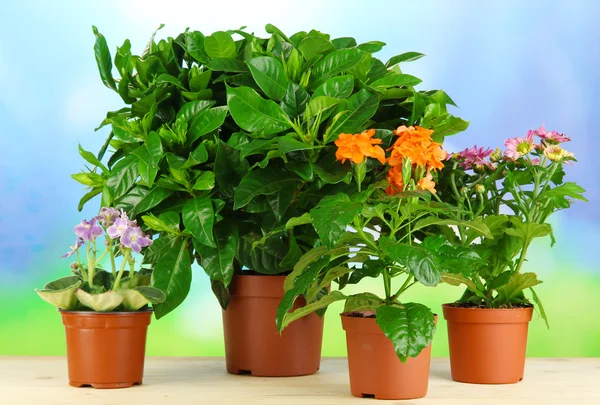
(365, 317)
(259, 275)
(94, 313)
(451, 305)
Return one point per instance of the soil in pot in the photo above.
(253, 344)
(375, 369)
(487, 346)
(106, 350)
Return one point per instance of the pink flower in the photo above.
(517, 147)
(551, 136)
(87, 230)
(474, 157)
(134, 238)
(535, 161)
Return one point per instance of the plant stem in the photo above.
(404, 287)
(83, 272)
(131, 267)
(112, 257)
(522, 257)
(387, 285)
(126, 255)
(91, 264)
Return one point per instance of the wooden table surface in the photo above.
(182, 381)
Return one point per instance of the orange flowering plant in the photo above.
(380, 230)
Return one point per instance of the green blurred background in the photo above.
(509, 65)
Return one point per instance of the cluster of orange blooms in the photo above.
(414, 143)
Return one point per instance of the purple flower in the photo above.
(78, 244)
(107, 216)
(474, 157)
(134, 238)
(550, 136)
(87, 230)
(118, 227)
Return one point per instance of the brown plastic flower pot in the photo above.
(375, 369)
(252, 343)
(487, 346)
(106, 349)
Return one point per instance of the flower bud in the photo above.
(479, 188)
(74, 266)
(463, 190)
(496, 155)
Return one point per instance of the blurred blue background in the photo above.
(509, 65)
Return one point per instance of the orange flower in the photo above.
(356, 147)
(427, 183)
(416, 143)
(394, 179)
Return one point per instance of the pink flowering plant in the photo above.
(90, 287)
(512, 193)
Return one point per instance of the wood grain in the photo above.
(182, 381)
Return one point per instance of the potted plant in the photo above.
(227, 137)
(105, 313)
(513, 193)
(389, 340)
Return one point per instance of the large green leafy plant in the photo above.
(514, 192)
(226, 137)
(388, 239)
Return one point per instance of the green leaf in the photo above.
(206, 181)
(370, 268)
(220, 45)
(337, 87)
(150, 154)
(221, 292)
(88, 196)
(122, 176)
(301, 283)
(61, 292)
(166, 78)
(293, 254)
(476, 225)
(393, 79)
(422, 263)
(404, 57)
(312, 46)
(516, 285)
(141, 199)
(103, 60)
(301, 312)
(362, 302)
(269, 75)
(91, 158)
(229, 65)
(255, 114)
(344, 42)
(217, 262)
(271, 29)
(319, 105)
(307, 258)
(333, 64)
(410, 328)
(527, 230)
(229, 168)
(371, 46)
(160, 246)
(199, 217)
(558, 195)
(262, 182)
(153, 295)
(331, 217)
(257, 146)
(205, 122)
(102, 302)
(90, 179)
(200, 81)
(499, 281)
(288, 144)
(189, 110)
(172, 274)
(194, 45)
(458, 279)
(360, 107)
(297, 221)
(540, 307)
(294, 101)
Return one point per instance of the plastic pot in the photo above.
(253, 344)
(375, 369)
(106, 349)
(487, 346)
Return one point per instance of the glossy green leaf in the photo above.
(205, 122)
(362, 302)
(262, 182)
(206, 181)
(199, 217)
(422, 263)
(123, 176)
(308, 309)
(393, 79)
(160, 246)
(269, 75)
(220, 45)
(297, 221)
(371, 46)
(307, 258)
(91, 158)
(141, 199)
(540, 307)
(217, 261)
(229, 65)
(409, 327)
(295, 100)
(150, 154)
(331, 217)
(88, 196)
(103, 60)
(359, 109)
(194, 45)
(404, 57)
(172, 274)
(337, 87)
(333, 64)
(319, 105)
(255, 114)
(515, 287)
(229, 168)
(90, 179)
(189, 110)
(344, 42)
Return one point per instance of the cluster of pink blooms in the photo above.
(516, 148)
(117, 226)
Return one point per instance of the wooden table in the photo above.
(182, 381)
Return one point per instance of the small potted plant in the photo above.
(227, 136)
(513, 194)
(105, 313)
(388, 339)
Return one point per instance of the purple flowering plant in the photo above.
(512, 193)
(90, 287)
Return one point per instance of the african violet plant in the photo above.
(400, 250)
(514, 192)
(91, 288)
(228, 136)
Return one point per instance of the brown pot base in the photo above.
(487, 346)
(253, 344)
(104, 386)
(106, 350)
(375, 369)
